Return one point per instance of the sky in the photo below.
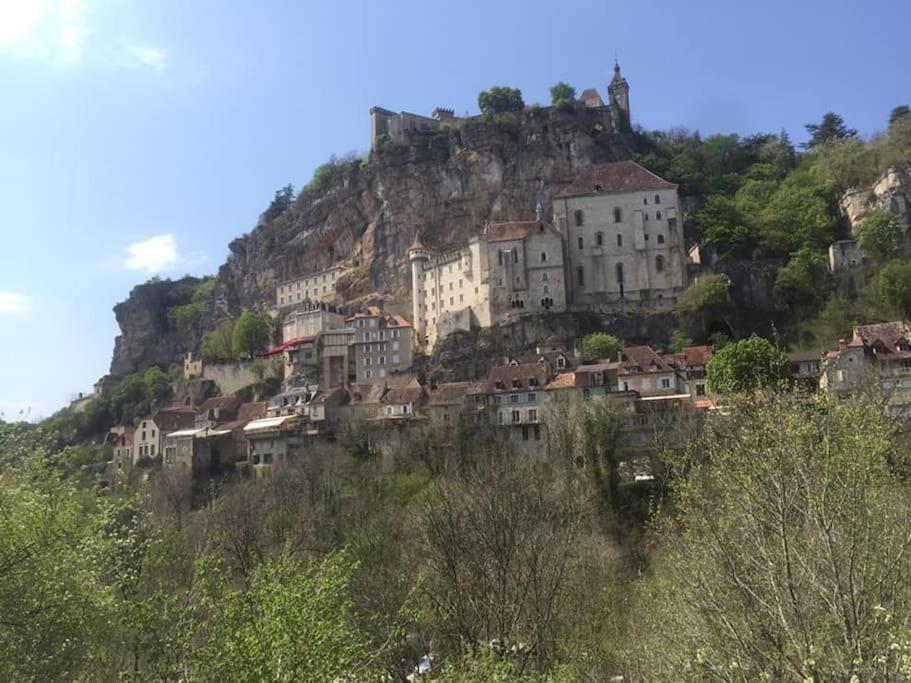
(140, 138)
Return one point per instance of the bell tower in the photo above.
(618, 93)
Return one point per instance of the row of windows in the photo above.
(599, 240)
(579, 214)
(298, 296)
(309, 282)
(382, 360)
(380, 335)
(514, 398)
(515, 416)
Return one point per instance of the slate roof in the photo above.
(620, 176)
(226, 404)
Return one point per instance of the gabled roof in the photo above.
(226, 404)
(251, 411)
(805, 356)
(413, 392)
(617, 177)
(697, 355)
(640, 359)
(450, 393)
(366, 392)
(172, 419)
(888, 334)
(525, 375)
(591, 95)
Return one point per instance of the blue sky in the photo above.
(140, 138)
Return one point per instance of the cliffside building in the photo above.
(509, 269)
(315, 287)
(623, 232)
(382, 344)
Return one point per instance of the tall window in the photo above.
(515, 255)
(580, 243)
(659, 263)
(671, 224)
(618, 214)
(599, 239)
(500, 257)
(619, 269)
(543, 256)
(645, 200)
(660, 239)
(619, 240)
(658, 215)
(580, 218)
(657, 199)
(580, 276)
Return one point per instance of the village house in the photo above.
(246, 413)
(402, 403)
(120, 439)
(646, 372)
(382, 344)
(310, 320)
(215, 411)
(148, 439)
(201, 452)
(316, 409)
(273, 441)
(692, 362)
(516, 394)
(363, 402)
(623, 230)
(450, 404)
(806, 368)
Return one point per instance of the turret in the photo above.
(419, 257)
(618, 93)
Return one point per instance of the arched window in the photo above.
(658, 215)
(657, 199)
(659, 263)
(543, 256)
(543, 277)
(599, 239)
(544, 289)
(619, 269)
(618, 214)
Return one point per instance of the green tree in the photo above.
(250, 336)
(283, 200)
(902, 111)
(832, 127)
(130, 399)
(802, 282)
(895, 285)
(600, 345)
(797, 215)
(679, 341)
(217, 344)
(723, 227)
(290, 623)
(844, 164)
(157, 385)
(879, 234)
(746, 365)
(500, 100)
(55, 604)
(562, 95)
(785, 555)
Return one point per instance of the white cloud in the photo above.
(146, 55)
(12, 302)
(49, 30)
(155, 255)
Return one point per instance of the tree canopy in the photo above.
(895, 285)
(879, 234)
(832, 127)
(500, 100)
(250, 335)
(746, 365)
(600, 345)
(562, 95)
(217, 344)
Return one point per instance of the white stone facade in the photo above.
(315, 287)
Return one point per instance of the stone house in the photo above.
(692, 362)
(516, 395)
(877, 358)
(148, 439)
(310, 320)
(202, 452)
(646, 372)
(402, 403)
(805, 368)
(450, 403)
(273, 441)
(382, 344)
(363, 402)
(316, 409)
(623, 230)
(216, 411)
(246, 413)
(120, 439)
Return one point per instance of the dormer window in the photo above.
(515, 384)
(599, 188)
(532, 382)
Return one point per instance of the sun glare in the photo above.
(18, 18)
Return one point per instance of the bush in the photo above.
(600, 345)
(746, 365)
(895, 286)
(879, 234)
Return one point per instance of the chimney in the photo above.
(842, 344)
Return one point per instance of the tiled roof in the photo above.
(697, 355)
(526, 376)
(224, 403)
(565, 380)
(640, 359)
(366, 392)
(621, 176)
(889, 334)
(591, 94)
(172, 419)
(251, 411)
(804, 356)
(412, 393)
(450, 393)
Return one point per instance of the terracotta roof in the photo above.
(640, 359)
(450, 393)
(889, 334)
(591, 94)
(697, 355)
(526, 376)
(251, 411)
(172, 419)
(514, 230)
(565, 380)
(621, 176)
(804, 356)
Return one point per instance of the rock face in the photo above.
(147, 336)
(891, 192)
(444, 184)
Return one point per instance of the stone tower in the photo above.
(618, 93)
(419, 257)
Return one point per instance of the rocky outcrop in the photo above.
(891, 192)
(147, 336)
(444, 184)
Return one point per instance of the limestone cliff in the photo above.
(445, 184)
(890, 192)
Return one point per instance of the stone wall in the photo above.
(232, 377)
